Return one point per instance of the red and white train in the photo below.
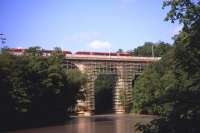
(20, 51)
(103, 53)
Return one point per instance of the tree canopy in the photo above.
(150, 49)
(180, 98)
(33, 88)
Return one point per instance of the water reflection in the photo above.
(120, 126)
(94, 124)
(84, 125)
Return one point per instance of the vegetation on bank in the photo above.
(156, 79)
(171, 87)
(37, 90)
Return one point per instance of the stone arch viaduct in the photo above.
(125, 68)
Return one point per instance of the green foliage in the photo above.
(34, 51)
(5, 62)
(154, 82)
(183, 97)
(151, 49)
(185, 11)
(35, 88)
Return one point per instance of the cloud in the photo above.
(19, 47)
(98, 44)
(84, 36)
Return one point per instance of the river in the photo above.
(94, 124)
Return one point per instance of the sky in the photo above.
(84, 25)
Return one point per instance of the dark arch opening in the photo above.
(104, 85)
(136, 76)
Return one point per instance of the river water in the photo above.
(94, 124)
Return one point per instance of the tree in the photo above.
(185, 11)
(162, 48)
(151, 49)
(184, 113)
(154, 82)
(120, 50)
(6, 102)
(34, 51)
(37, 90)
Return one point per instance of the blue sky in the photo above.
(84, 25)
